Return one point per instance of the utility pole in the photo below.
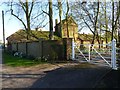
(3, 30)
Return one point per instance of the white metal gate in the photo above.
(96, 55)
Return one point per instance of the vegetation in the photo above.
(11, 60)
(101, 18)
(21, 36)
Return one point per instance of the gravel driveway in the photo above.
(69, 75)
(23, 77)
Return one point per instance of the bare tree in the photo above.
(67, 23)
(106, 24)
(115, 18)
(87, 13)
(60, 13)
(50, 14)
(119, 26)
(112, 20)
(50, 20)
(118, 45)
(28, 13)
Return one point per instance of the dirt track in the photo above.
(69, 75)
(23, 77)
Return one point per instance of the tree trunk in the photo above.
(50, 20)
(95, 26)
(92, 41)
(28, 20)
(118, 46)
(28, 25)
(112, 36)
(60, 15)
(67, 23)
(98, 39)
(106, 26)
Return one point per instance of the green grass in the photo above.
(17, 61)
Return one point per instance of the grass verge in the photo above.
(17, 61)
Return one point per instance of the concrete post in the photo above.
(89, 52)
(113, 63)
(73, 50)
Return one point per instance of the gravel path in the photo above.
(71, 78)
(24, 77)
(69, 75)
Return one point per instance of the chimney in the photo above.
(56, 22)
(36, 29)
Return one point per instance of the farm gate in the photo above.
(100, 54)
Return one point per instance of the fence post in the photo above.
(73, 49)
(89, 51)
(113, 63)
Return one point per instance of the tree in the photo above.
(119, 35)
(60, 13)
(112, 20)
(98, 17)
(115, 19)
(106, 24)
(28, 13)
(50, 14)
(87, 14)
(50, 20)
(119, 26)
(67, 18)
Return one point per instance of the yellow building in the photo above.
(69, 29)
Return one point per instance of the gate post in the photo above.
(113, 63)
(89, 52)
(73, 49)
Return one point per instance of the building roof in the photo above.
(70, 20)
(21, 36)
(85, 37)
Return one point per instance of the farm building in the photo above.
(69, 29)
(39, 44)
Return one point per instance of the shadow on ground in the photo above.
(72, 78)
(110, 80)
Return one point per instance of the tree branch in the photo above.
(18, 18)
(22, 5)
(87, 12)
(31, 7)
(88, 26)
(37, 15)
(45, 12)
